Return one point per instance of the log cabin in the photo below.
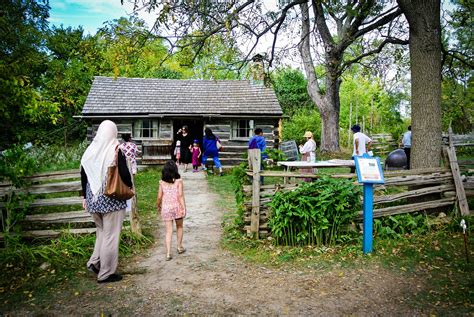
(153, 110)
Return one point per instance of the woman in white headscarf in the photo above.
(108, 213)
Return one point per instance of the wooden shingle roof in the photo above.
(169, 96)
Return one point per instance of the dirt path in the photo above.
(208, 280)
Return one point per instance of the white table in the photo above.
(288, 165)
(318, 164)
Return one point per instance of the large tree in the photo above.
(425, 58)
(22, 61)
(309, 22)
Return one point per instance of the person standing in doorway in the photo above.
(406, 142)
(177, 152)
(196, 155)
(108, 213)
(186, 144)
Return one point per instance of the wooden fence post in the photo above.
(453, 162)
(134, 220)
(255, 164)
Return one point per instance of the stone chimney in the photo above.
(257, 70)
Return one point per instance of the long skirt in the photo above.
(308, 170)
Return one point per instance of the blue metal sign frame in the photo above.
(375, 160)
(368, 204)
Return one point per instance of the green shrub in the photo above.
(398, 225)
(57, 157)
(15, 165)
(317, 213)
(301, 121)
(239, 179)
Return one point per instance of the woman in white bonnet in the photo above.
(108, 213)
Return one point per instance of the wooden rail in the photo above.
(428, 182)
(58, 183)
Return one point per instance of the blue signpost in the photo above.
(369, 172)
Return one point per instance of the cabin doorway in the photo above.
(195, 126)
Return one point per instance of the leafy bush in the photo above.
(56, 157)
(15, 164)
(301, 121)
(317, 213)
(239, 179)
(398, 225)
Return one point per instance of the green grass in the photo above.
(23, 281)
(436, 259)
(146, 183)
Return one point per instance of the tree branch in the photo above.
(378, 23)
(390, 40)
(313, 85)
(457, 56)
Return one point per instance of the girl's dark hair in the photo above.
(185, 128)
(126, 137)
(209, 134)
(170, 172)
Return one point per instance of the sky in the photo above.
(91, 14)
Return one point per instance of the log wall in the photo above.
(158, 150)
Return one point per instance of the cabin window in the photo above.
(242, 129)
(146, 129)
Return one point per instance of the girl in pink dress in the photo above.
(171, 204)
(196, 154)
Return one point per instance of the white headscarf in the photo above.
(99, 156)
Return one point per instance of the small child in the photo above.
(196, 154)
(170, 203)
(177, 151)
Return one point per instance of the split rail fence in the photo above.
(404, 191)
(55, 193)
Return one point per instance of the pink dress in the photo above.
(195, 157)
(170, 206)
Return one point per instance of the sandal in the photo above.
(168, 257)
(181, 250)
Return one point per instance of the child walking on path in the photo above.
(171, 204)
(177, 151)
(196, 154)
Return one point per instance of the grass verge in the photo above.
(437, 260)
(33, 270)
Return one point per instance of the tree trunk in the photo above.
(329, 131)
(329, 110)
(425, 58)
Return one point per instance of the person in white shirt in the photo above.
(309, 148)
(406, 142)
(362, 142)
(309, 154)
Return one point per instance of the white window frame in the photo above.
(138, 129)
(234, 131)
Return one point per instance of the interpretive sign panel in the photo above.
(369, 170)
